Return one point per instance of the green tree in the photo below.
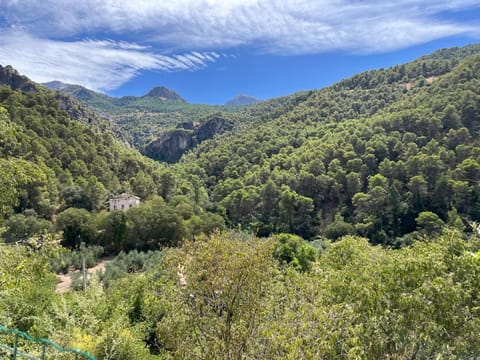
(143, 185)
(23, 226)
(15, 174)
(429, 223)
(27, 287)
(293, 250)
(217, 305)
(296, 212)
(153, 225)
(77, 226)
(339, 228)
(113, 230)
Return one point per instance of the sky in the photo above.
(211, 50)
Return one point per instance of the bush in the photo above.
(293, 250)
(73, 259)
(23, 226)
(131, 262)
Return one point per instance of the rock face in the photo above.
(188, 125)
(11, 78)
(163, 93)
(170, 146)
(173, 144)
(76, 110)
(213, 126)
(242, 100)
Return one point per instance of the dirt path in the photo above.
(65, 280)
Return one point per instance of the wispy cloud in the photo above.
(161, 35)
(282, 27)
(98, 65)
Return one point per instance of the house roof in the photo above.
(125, 196)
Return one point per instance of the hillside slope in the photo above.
(49, 150)
(143, 118)
(382, 154)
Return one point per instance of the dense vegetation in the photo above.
(380, 172)
(142, 118)
(234, 297)
(56, 168)
(380, 155)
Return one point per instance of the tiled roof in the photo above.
(125, 196)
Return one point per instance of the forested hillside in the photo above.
(382, 154)
(142, 118)
(352, 216)
(58, 173)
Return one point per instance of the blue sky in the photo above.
(211, 50)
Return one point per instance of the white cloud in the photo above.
(98, 65)
(65, 47)
(274, 26)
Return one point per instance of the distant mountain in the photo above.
(79, 92)
(57, 85)
(242, 100)
(107, 103)
(163, 93)
(96, 100)
(144, 118)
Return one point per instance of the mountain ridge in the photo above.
(75, 108)
(86, 94)
(163, 93)
(242, 100)
(393, 125)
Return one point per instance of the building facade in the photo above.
(123, 202)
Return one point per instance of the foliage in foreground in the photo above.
(226, 297)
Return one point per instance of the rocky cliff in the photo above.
(173, 144)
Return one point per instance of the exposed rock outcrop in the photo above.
(12, 78)
(170, 146)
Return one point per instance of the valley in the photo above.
(327, 224)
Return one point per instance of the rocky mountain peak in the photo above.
(164, 93)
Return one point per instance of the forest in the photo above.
(338, 223)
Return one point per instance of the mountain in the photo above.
(75, 109)
(163, 93)
(58, 85)
(142, 119)
(53, 145)
(95, 100)
(107, 103)
(171, 145)
(242, 100)
(372, 155)
(79, 92)
(12, 78)
(383, 154)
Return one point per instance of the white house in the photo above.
(123, 202)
